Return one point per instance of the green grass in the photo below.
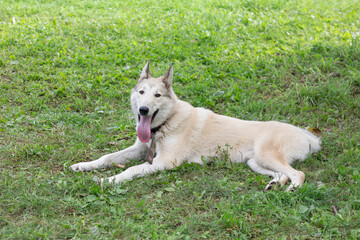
(66, 70)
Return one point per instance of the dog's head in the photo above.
(152, 101)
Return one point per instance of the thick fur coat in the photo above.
(182, 133)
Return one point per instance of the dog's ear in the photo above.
(168, 77)
(145, 74)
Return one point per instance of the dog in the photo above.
(171, 131)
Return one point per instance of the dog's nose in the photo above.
(144, 110)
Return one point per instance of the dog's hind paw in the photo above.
(271, 185)
(291, 188)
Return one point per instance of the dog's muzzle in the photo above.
(143, 110)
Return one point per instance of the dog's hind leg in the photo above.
(134, 152)
(276, 162)
(278, 177)
(259, 169)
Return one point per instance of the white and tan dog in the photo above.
(171, 131)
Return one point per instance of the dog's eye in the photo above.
(141, 92)
(157, 95)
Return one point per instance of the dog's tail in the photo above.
(314, 142)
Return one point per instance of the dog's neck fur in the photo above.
(170, 115)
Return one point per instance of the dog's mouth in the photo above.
(144, 127)
(152, 117)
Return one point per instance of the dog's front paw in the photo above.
(108, 181)
(82, 167)
(99, 181)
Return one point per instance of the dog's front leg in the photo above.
(134, 172)
(161, 162)
(134, 152)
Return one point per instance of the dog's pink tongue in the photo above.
(144, 131)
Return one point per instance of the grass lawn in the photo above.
(66, 70)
